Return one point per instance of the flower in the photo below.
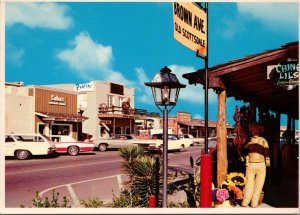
(233, 184)
(237, 192)
(237, 178)
(222, 195)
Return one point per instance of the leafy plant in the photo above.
(92, 203)
(38, 202)
(144, 172)
(192, 188)
(125, 200)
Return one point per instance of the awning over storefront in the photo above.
(47, 116)
(200, 123)
(247, 79)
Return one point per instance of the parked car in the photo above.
(115, 142)
(193, 140)
(156, 143)
(232, 155)
(67, 144)
(22, 146)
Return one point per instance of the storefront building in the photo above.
(109, 108)
(184, 124)
(269, 82)
(56, 112)
(36, 109)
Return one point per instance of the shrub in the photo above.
(92, 203)
(38, 202)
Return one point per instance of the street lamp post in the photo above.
(165, 89)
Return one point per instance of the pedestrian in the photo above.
(257, 159)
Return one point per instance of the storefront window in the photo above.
(61, 129)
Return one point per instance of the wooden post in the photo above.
(222, 163)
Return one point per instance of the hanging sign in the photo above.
(284, 74)
(190, 26)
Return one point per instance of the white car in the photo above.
(67, 144)
(156, 143)
(115, 142)
(22, 146)
(193, 140)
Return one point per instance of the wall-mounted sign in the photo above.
(284, 74)
(56, 100)
(84, 87)
(190, 26)
(107, 122)
(183, 117)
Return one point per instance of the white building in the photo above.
(106, 96)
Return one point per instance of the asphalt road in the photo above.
(88, 175)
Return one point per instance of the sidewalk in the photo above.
(280, 195)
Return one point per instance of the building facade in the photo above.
(109, 107)
(184, 124)
(37, 109)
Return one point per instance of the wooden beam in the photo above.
(222, 162)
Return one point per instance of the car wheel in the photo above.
(73, 150)
(22, 154)
(102, 147)
(181, 148)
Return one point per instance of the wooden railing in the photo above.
(103, 108)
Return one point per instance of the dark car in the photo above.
(234, 161)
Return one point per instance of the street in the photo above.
(88, 175)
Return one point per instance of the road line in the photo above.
(73, 195)
(79, 182)
(120, 182)
(55, 168)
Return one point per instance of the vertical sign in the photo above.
(190, 26)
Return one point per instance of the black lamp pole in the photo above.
(165, 157)
(165, 89)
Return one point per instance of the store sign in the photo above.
(190, 26)
(183, 117)
(56, 100)
(86, 87)
(107, 122)
(284, 75)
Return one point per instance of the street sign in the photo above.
(190, 26)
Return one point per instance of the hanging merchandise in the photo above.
(241, 118)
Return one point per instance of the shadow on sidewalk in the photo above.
(284, 194)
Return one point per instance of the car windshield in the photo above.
(47, 138)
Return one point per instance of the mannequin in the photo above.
(257, 159)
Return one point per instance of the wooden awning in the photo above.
(246, 79)
(47, 116)
(200, 123)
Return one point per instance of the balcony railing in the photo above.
(105, 109)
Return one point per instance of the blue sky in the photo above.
(76, 42)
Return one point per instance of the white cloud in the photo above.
(191, 93)
(197, 116)
(43, 15)
(91, 60)
(272, 15)
(16, 56)
(145, 94)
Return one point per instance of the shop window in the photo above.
(127, 131)
(118, 130)
(41, 128)
(61, 129)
